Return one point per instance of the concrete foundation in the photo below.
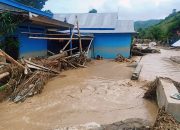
(164, 91)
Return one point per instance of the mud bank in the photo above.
(101, 93)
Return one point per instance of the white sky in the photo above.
(128, 9)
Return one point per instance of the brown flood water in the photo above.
(101, 93)
(160, 65)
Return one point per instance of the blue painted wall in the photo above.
(109, 45)
(31, 47)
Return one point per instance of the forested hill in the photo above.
(169, 28)
(146, 24)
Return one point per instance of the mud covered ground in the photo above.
(160, 65)
(102, 93)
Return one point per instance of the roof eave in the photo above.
(26, 8)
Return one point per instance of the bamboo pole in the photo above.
(89, 47)
(80, 43)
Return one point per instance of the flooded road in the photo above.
(160, 65)
(102, 93)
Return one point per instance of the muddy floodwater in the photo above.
(160, 65)
(101, 93)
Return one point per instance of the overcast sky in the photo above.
(127, 9)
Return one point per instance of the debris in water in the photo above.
(165, 121)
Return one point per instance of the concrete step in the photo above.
(164, 92)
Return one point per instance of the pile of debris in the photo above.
(120, 58)
(140, 47)
(140, 51)
(27, 77)
(165, 121)
(151, 87)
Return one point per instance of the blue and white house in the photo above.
(36, 22)
(111, 35)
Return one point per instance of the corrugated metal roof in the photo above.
(99, 23)
(24, 7)
(176, 44)
(90, 20)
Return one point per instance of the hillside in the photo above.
(165, 29)
(146, 24)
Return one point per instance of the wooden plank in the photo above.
(69, 40)
(63, 34)
(50, 38)
(39, 66)
(89, 47)
(4, 75)
(9, 58)
(58, 56)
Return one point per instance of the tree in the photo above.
(93, 11)
(38, 4)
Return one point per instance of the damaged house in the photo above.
(111, 35)
(35, 23)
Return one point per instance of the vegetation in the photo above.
(163, 31)
(93, 11)
(38, 4)
(146, 24)
(8, 25)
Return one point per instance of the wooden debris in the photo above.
(4, 75)
(121, 58)
(165, 121)
(58, 56)
(39, 67)
(9, 58)
(151, 89)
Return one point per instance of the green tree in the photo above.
(156, 33)
(38, 4)
(93, 11)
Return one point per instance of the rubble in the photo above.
(151, 87)
(141, 47)
(27, 77)
(120, 58)
(165, 121)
